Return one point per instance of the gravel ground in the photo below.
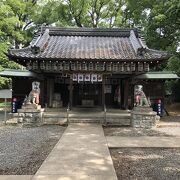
(171, 118)
(146, 163)
(137, 132)
(22, 150)
(9, 115)
(171, 131)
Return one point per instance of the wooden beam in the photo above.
(71, 92)
(50, 90)
(132, 95)
(103, 91)
(42, 103)
(126, 93)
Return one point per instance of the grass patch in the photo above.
(2, 104)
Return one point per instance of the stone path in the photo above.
(143, 141)
(81, 153)
(15, 177)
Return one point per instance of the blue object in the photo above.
(14, 105)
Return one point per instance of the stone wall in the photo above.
(30, 115)
(143, 117)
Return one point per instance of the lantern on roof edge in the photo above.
(73, 66)
(35, 65)
(42, 65)
(90, 67)
(140, 66)
(66, 66)
(109, 66)
(28, 66)
(133, 67)
(60, 66)
(115, 67)
(121, 67)
(146, 67)
(78, 66)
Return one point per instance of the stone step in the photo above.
(85, 120)
(115, 117)
(58, 110)
(54, 115)
(117, 121)
(118, 111)
(85, 117)
(54, 120)
(167, 124)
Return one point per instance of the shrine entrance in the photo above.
(87, 94)
(61, 92)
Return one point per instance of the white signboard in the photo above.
(6, 93)
(75, 77)
(99, 78)
(94, 78)
(80, 77)
(87, 77)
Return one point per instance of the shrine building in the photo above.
(88, 67)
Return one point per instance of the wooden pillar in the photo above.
(71, 93)
(47, 93)
(42, 102)
(131, 86)
(50, 91)
(103, 91)
(132, 95)
(126, 93)
(163, 92)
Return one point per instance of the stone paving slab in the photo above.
(146, 141)
(81, 153)
(74, 177)
(15, 177)
(168, 124)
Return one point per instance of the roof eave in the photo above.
(23, 59)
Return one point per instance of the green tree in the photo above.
(14, 32)
(159, 20)
(81, 13)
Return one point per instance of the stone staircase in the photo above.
(87, 115)
(55, 116)
(118, 117)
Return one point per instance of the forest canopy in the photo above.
(159, 21)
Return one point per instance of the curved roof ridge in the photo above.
(87, 29)
(81, 31)
(20, 50)
(135, 42)
(41, 42)
(164, 53)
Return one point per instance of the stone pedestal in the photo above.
(30, 115)
(143, 117)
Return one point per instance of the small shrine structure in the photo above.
(88, 67)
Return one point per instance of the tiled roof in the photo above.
(87, 44)
(158, 75)
(17, 73)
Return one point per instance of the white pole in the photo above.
(5, 112)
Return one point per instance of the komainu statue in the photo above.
(33, 97)
(140, 97)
